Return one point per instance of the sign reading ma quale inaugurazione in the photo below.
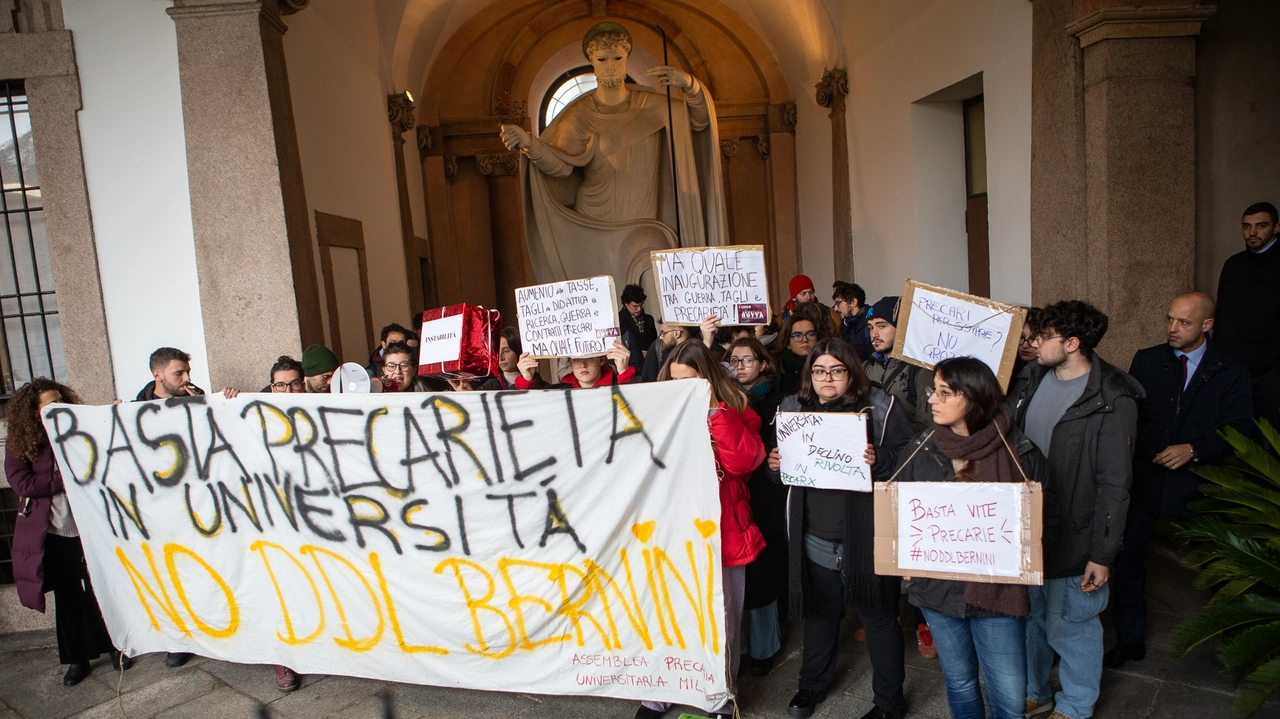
(547, 542)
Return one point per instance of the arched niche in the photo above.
(486, 74)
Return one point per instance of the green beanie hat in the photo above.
(318, 359)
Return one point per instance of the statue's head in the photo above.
(607, 47)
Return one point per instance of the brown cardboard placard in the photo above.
(736, 291)
(1001, 361)
(888, 536)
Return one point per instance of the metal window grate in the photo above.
(29, 323)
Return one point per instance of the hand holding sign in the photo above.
(824, 450)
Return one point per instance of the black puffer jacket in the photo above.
(1086, 499)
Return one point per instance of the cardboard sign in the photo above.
(456, 539)
(728, 282)
(577, 318)
(824, 450)
(935, 323)
(967, 531)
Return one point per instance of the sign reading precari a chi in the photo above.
(824, 450)
(544, 542)
(697, 282)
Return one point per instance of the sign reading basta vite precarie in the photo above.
(577, 318)
(697, 282)
(541, 542)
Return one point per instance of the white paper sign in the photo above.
(728, 282)
(441, 340)
(963, 527)
(577, 318)
(824, 450)
(462, 539)
(941, 326)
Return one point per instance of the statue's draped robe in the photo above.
(603, 196)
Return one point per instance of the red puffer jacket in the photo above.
(738, 449)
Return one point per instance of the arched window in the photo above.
(567, 88)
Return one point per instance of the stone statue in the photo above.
(597, 187)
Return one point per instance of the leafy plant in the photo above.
(1236, 541)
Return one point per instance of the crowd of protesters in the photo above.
(1113, 450)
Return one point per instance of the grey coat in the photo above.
(1090, 458)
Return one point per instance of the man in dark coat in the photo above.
(1082, 414)
(1193, 392)
(850, 302)
(1248, 316)
(632, 318)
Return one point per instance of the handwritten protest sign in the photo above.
(935, 323)
(969, 531)
(578, 318)
(824, 450)
(461, 539)
(728, 282)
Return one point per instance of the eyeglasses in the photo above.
(1026, 340)
(295, 385)
(1042, 338)
(742, 361)
(664, 333)
(835, 373)
(398, 366)
(945, 394)
(797, 336)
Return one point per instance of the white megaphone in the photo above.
(351, 378)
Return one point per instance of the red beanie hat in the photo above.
(799, 284)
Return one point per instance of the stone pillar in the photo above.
(400, 114)
(831, 93)
(1139, 123)
(728, 148)
(259, 296)
(511, 266)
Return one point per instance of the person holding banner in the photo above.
(735, 437)
(47, 554)
(766, 576)
(978, 627)
(585, 372)
(832, 562)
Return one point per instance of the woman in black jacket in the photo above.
(976, 625)
(832, 536)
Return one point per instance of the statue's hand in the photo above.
(515, 138)
(669, 76)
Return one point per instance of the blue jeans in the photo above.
(1065, 620)
(997, 646)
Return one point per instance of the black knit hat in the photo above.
(885, 308)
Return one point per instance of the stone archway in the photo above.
(482, 77)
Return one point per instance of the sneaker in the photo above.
(286, 679)
(860, 635)
(1035, 709)
(924, 642)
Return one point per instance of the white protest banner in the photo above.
(935, 323)
(728, 282)
(577, 318)
(540, 542)
(970, 531)
(824, 450)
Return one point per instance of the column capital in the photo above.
(507, 163)
(269, 10)
(424, 141)
(400, 112)
(833, 87)
(729, 147)
(1130, 23)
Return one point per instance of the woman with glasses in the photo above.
(1026, 353)
(400, 366)
(735, 439)
(831, 563)
(286, 376)
(767, 575)
(977, 627)
(795, 340)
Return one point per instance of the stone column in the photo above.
(728, 148)
(831, 93)
(1139, 129)
(258, 291)
(400, 114)
(510, 258)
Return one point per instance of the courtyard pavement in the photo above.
(1160, 687)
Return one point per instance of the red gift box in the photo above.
(459, 341)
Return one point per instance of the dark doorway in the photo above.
(975, 216)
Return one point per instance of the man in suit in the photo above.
(1248, 327)
(1193, 392)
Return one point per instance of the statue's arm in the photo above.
(546, 160)
(695, 97)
